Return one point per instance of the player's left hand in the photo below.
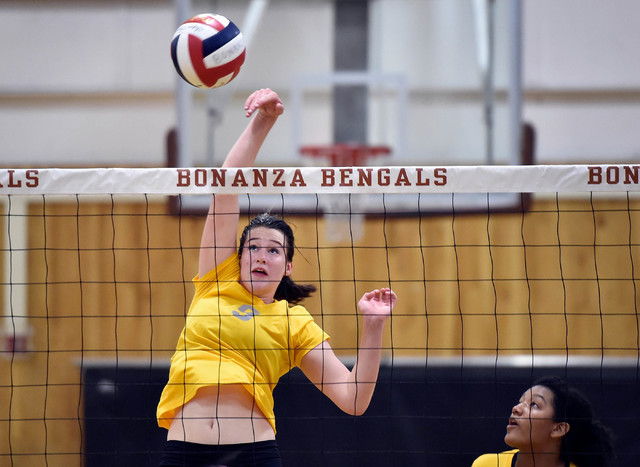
(378, 303)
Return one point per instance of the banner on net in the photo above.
(302, 180)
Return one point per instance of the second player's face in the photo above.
(264, 262)
(531, 425)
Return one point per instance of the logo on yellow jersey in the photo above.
(245, 312)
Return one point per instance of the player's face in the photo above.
(531, 427)
(264, 262)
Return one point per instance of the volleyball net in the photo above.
(502, 273)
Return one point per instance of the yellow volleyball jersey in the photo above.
(501, 459)
(233, 337)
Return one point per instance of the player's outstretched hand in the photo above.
(378, 303)
(266, 101)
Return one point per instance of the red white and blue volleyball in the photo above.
(208, 50)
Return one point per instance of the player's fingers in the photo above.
(266, 100)
(249, 102)
(254, 100)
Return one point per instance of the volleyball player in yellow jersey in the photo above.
(552, 425)
(244, 330)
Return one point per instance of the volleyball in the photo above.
(208, 50)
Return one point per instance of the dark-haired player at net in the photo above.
(553, 425)
(245, 329)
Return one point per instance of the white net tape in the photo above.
(299, 180)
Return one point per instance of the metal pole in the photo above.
(484, 15)
(515, 80)
(183, 96)
(489, 84)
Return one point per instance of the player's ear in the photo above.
(560, 429)
(288, 268)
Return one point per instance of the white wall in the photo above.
(85, 83)
(582, 73)
(91, 82)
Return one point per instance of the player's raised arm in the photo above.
(352, 390)
(220, 231)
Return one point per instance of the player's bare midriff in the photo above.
(224, 415)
